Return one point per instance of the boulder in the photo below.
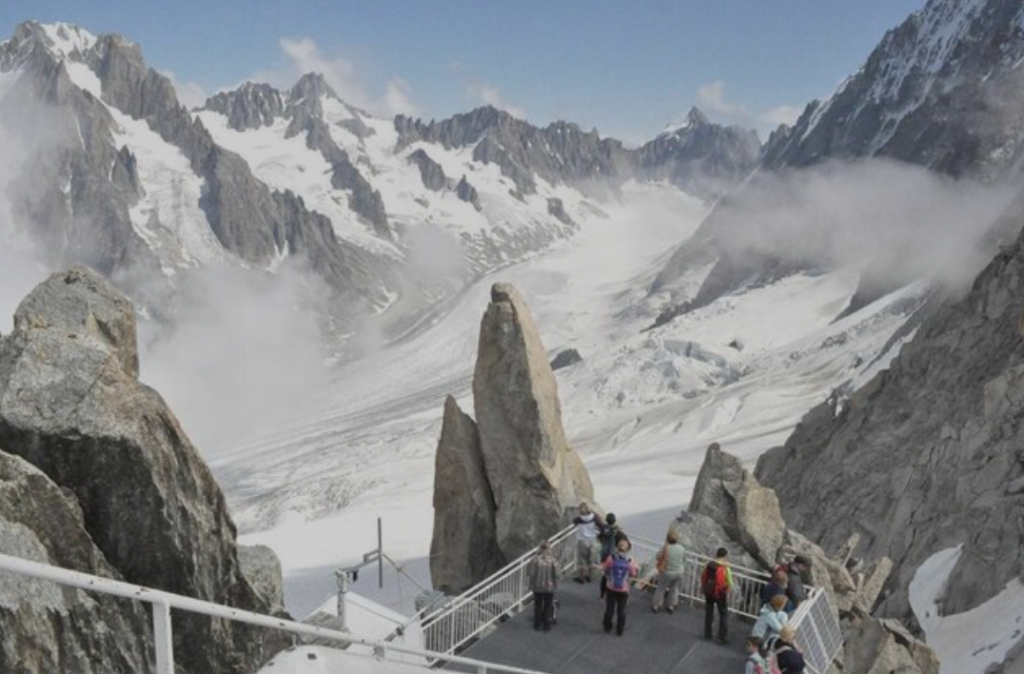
(726, 492)
(46, 628)
(536, 477)
(703, 535)
(566, 358)
(262, 568)
(882, 647)
(464, 548)
(71, 404)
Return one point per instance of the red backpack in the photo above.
(713, 582)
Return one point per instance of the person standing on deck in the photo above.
(715, 583)
(543, 575)
(671, 564)
(619, 568)
(587, 548)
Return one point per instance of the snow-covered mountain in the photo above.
(942, 90)
(392, 215)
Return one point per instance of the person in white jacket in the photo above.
(772, 619)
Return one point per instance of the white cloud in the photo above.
(711, 98)
(488, 94)
(190, 94)
(304, 55)
(783, 114)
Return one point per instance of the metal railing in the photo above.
(459, 621)
(163, 602)
(745, 598)
(817, 631)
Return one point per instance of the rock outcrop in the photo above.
(513, 469)
(45, 628)
(71, 404)
(464, 548)
(928, 455)
(747, 515)
(262, 568)
(534, 473)
(431, 172)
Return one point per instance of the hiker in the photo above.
(543, 575)
(670, 562)
(772, 619)
(795, 584)
(778, 584)
(587, 549)
(787, 656)
(619, 567)
(609, 536)
(715, 583)
(756, 662)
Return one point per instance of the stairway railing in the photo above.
(163, 602)
(818, 634)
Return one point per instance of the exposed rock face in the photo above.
(704, 535)
(248, 107)
(566, 358)
(700, 157)
(941, 90)
(534, 473)
(464, 548)
(884, 646)
(71, 404)
(466, 192)
(930, 457)
(556, 208)
(748, 512)
(430, 171)
(45, 628)
(262, 569)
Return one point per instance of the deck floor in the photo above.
(652, 643)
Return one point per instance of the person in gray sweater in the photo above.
(543, 575)
(671, 563)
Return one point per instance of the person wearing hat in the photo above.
(796, 570)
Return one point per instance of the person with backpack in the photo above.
(715, 583)
(756, 663)
(587, 527)
(609, 536)
(543, 575)
(671, 563)
(619, 568)
(788, 657)
(795, 588)
(772, 619)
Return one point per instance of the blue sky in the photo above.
(627, 67)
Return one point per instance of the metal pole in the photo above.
(162, 637)
(344, 581)
(380, 555)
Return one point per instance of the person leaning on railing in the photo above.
(588, 525)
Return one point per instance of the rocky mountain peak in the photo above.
(250, 106)
(311, 86)
(60, 39)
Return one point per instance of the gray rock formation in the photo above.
(566, 358)
(534, 473)
(464, 548)
(704, 535)
(250, 106)
(71, 404)
(262, 569)
(45, 628)
(700, 157)
(884, 646)
(430, 171)
(927, 456)
(941, 90)
(749, 513)
(556, 209)
(466, 192)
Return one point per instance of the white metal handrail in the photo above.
(745, 598)
(463, 618)
(162, 603)
(817, 631)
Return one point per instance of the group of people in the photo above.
(603, 552)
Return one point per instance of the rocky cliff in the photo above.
(513, 468)
(71, 405)
(927, 456)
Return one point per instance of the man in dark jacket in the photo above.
(543, 575)
(789, 659)
(795, 590)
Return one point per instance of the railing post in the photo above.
(162, 638)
